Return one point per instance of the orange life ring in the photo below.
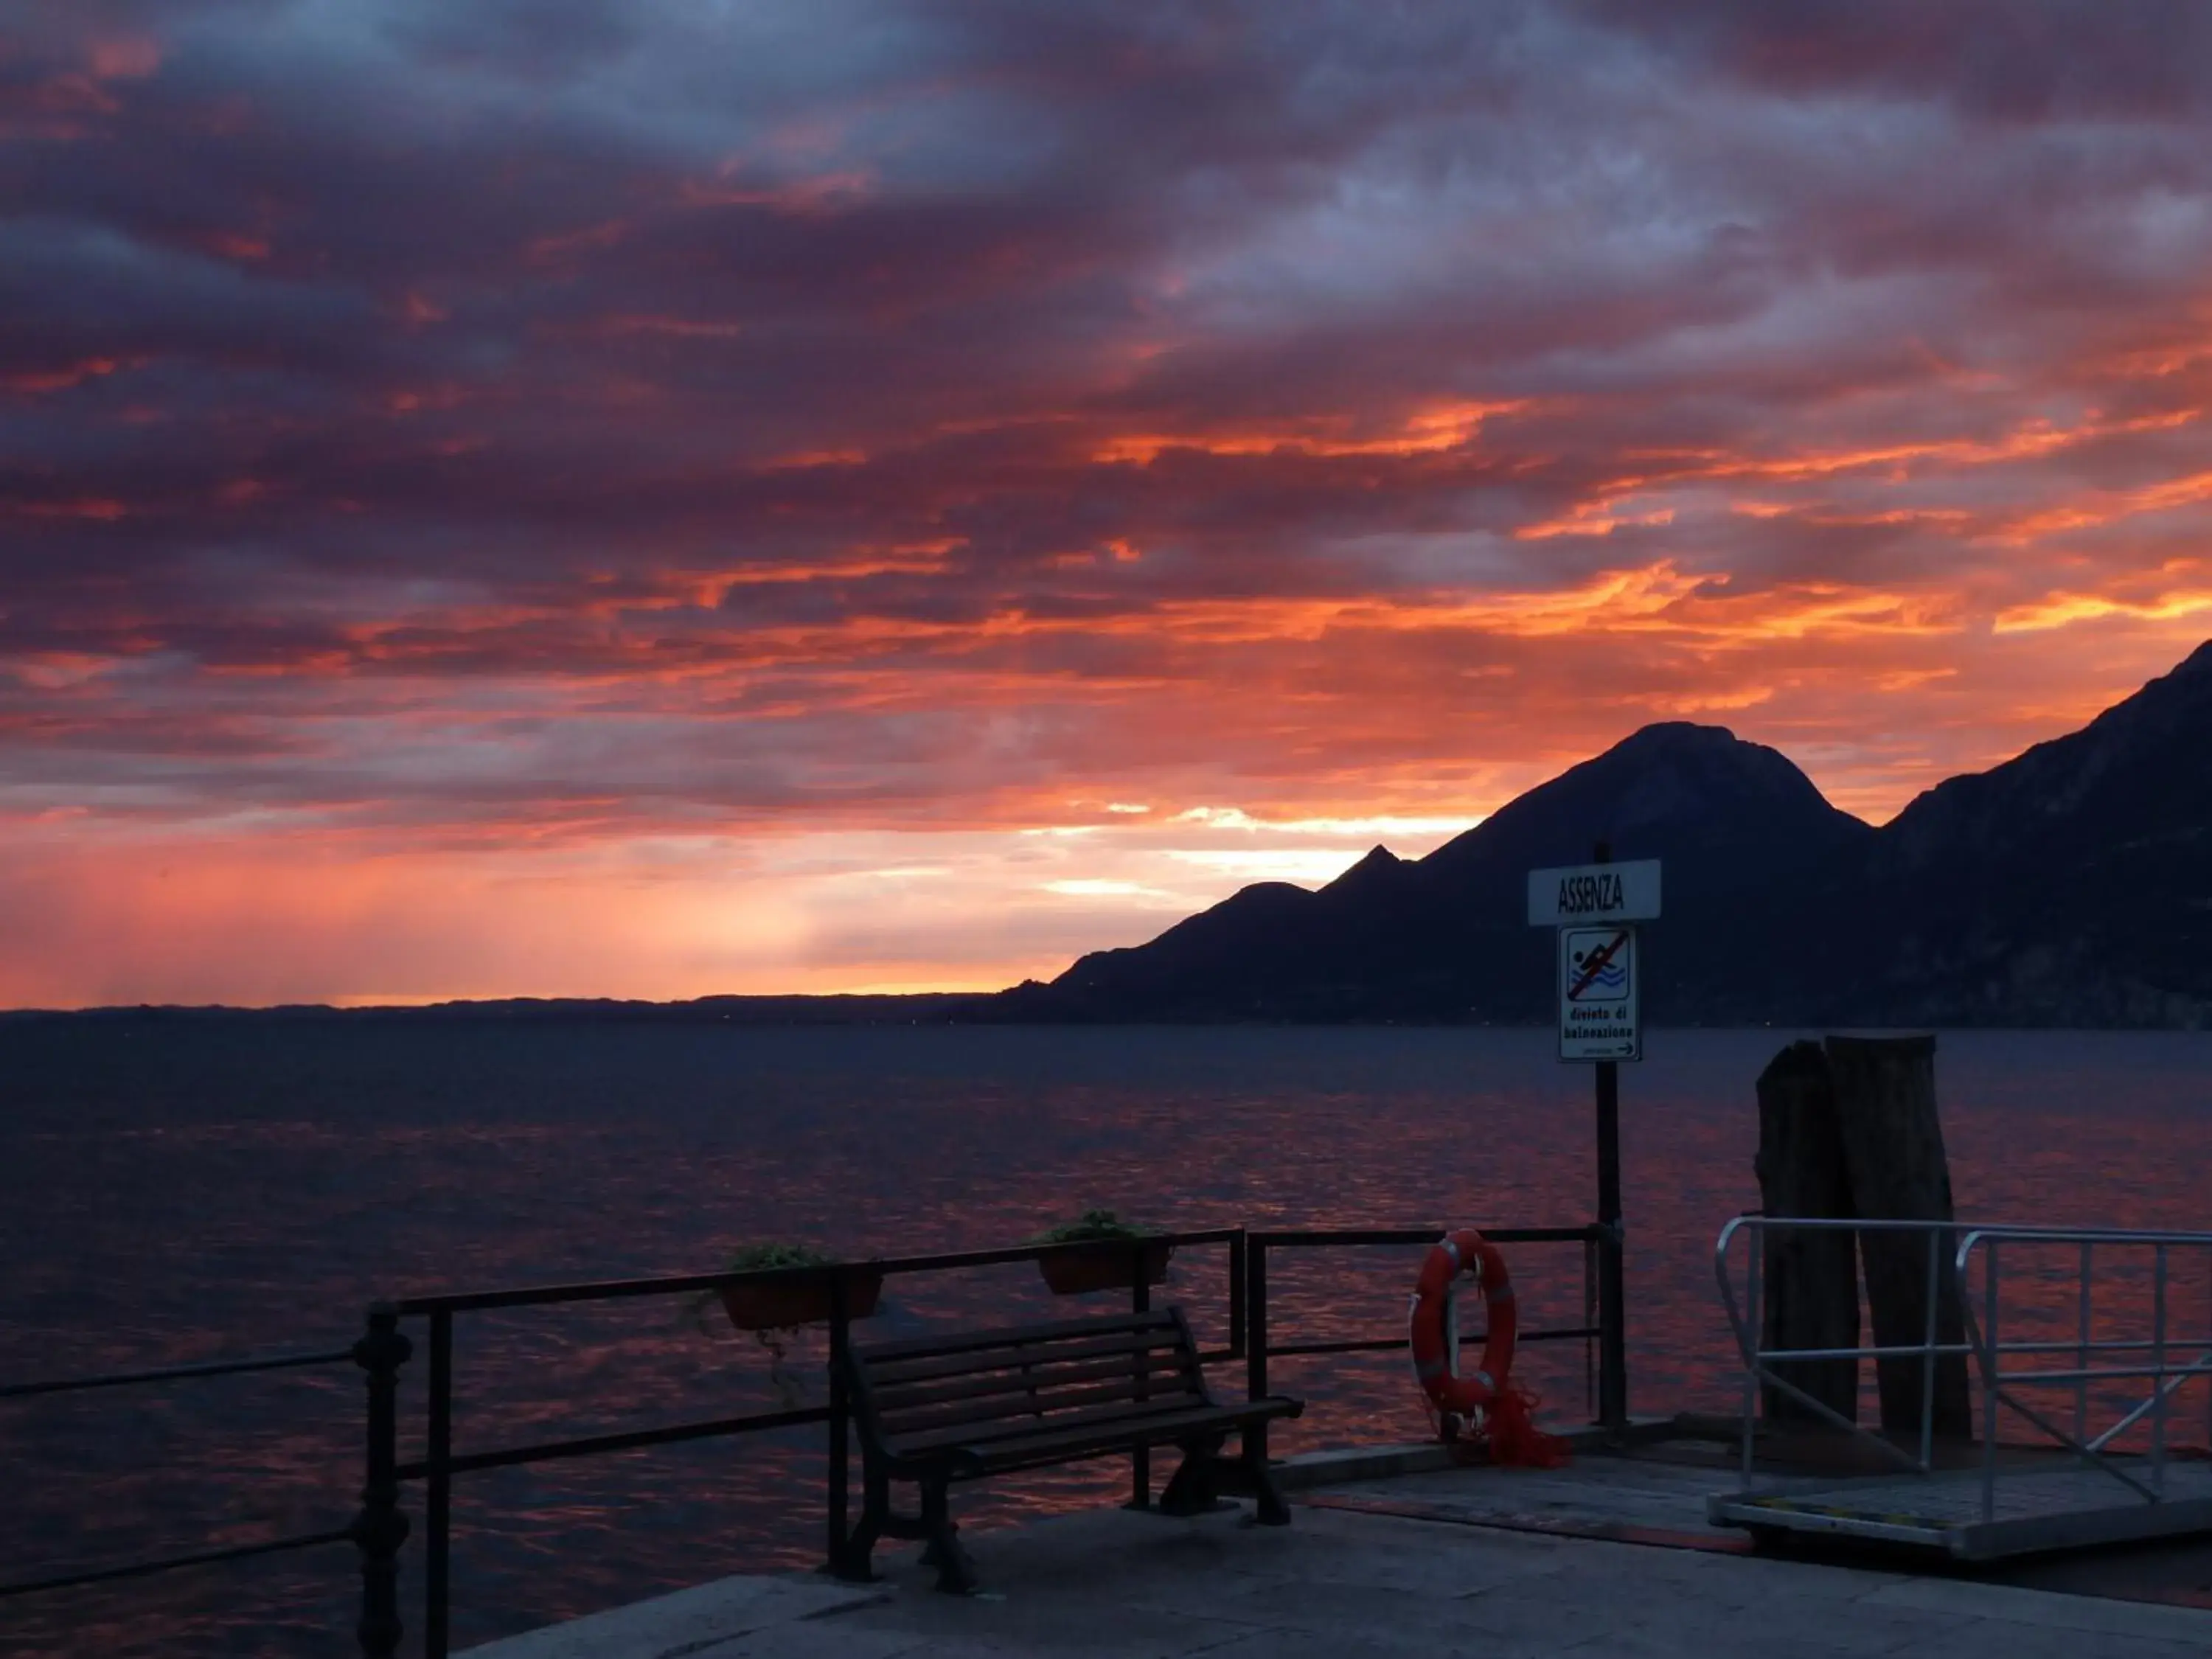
(1435, 1331)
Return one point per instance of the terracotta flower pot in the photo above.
(780, 1307)
(1073, 1269)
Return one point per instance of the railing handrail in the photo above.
(941, 1261)
(2167, 1371)
(665, 1434)
(1979, 1234)
(676, 1283)
(380, 1527)
(171, 1373)
(147, 1567)
(1296, 1237)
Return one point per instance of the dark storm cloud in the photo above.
(791, 379)
(2008, 59)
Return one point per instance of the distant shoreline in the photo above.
(948, 1008)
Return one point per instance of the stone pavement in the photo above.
(1356, 1584)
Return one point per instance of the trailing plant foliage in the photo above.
(775, 1343)
(1092, 1226)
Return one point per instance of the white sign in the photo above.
(1597, 994)
(1594, 892)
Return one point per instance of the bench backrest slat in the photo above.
(925, 1368)
(903, 1397)
(983, 1385)
(1044, 1331)
(1165, 1387)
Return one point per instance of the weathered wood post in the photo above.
(1812, 1282)
(1893, 1159)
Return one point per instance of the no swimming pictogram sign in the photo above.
(1597, 994)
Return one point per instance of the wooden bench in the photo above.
(962, 1407)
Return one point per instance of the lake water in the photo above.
(173, 1190)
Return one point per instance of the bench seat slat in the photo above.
(1129, 1392)
(1052, 1444)
(980, 1435)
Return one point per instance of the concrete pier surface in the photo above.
(1611, 1555)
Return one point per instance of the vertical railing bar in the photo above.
(1755, 1312)
(1140, 1302)
(2158, 1360)
(1236, 1247)
(1990, 1382)
(1256, 1321)
(2081, 1353)
(380, 1527)
(841, 1406)
(1255, 1327)
(437, 1491)
(1927, 1362)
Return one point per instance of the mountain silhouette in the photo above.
(2068, 886)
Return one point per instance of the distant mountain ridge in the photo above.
(2069, 887)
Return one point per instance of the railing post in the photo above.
(2158, 1383)
(1255, 1319)
(1988, 1380)
(1237, 1295)
(1928, 1360)
(1755, 1317)
(1612, 1292)
(1255, 1331)
(438, 1491)
(840, 1408)
(1140, 1302)
(380, 1527)
(2082, 1355)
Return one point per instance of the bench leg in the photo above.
(857, 1563)
(1194, 1490)
(1271, 1511)
(956, 1573)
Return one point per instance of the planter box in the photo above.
(780, 1307)
(1073, 1269)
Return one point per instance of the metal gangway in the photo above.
(2113, 1472)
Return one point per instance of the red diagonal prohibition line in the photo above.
(1594, 965)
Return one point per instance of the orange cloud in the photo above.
(1428, 431)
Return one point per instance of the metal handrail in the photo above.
(1756, 1371)
(1247, 1340)
(380, 1527)
(193, 1558)
(171, 1373)
(1981, 1340)
(2166, 1378)
(201, 1369)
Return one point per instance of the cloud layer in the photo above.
(659, 498)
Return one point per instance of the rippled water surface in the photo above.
(172, 1191)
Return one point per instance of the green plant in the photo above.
(763, 1257)
(1091, 1226)
(759, 1258)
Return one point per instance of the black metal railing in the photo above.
(380, 1528)
(204, 1369)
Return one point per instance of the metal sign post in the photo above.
(1600, 969)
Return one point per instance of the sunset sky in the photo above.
(659, 497)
